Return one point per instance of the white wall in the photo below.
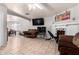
(3, 25)
(24, 24)
(51, 24)
(48, 21)
(17, 23)
(70, 29)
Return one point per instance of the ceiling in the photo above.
(37, 10)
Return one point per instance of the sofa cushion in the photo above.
(76, 40)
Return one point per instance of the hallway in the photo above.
(28, 46)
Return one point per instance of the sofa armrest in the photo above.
(65, 38)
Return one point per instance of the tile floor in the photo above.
(20, 45)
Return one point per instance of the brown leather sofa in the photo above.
(66, 46)
(31, 33)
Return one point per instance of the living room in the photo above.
(48, 31)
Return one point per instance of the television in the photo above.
(38, 21)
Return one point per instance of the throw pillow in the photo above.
(76, 40)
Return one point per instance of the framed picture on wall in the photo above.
(63, 16)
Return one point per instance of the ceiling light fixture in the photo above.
(38, 6)
(34, 6)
